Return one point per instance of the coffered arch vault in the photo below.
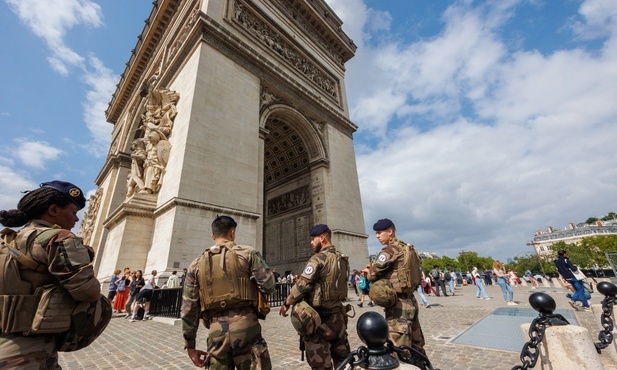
(292, 142)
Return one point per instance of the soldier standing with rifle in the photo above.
(396, 273)
(223, 287)
(318, 314)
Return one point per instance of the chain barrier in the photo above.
(606, 320)
(405, 354)
(410, 355)
(531, 349)
(362, 357)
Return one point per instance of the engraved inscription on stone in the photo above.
(302, 238)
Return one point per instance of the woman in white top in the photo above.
(479, 284)
(499, 270)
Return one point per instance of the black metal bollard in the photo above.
(545, 305)
(373, 331)
(609, 290)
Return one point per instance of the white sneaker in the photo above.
(512, 303)
(487, 299)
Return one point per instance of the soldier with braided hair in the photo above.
(48, 287)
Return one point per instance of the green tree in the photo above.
(610, 216)
(595, 247)
(591, 220)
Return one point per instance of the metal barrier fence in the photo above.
(168, 302)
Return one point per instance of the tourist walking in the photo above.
(480, 291)
(499, 269)
(568, 270)
(420, 291)
(438, 278)
(450, 277)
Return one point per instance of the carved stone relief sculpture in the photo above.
(150, 154)
(87, 225)
(274, 41)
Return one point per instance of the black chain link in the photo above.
(531, 350)
(411, 356)
(362, 357)
(606, 320)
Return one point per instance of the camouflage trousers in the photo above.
(329, 345)
(28, 353)
(235, 341)
(403, 324)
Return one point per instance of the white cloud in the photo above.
(51, 19)
(102, 83)
(12, 183)
(35, 154)
(471, 142)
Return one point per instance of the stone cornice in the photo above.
(349, 233)
(147, 43)
(322, 25)
(187, 203)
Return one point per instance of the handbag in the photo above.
(578, 274)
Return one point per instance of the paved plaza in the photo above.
(158, 343)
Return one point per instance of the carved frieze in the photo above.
(263, 32)
(291, 12)
(292, 200)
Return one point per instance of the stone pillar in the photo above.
(567, 347)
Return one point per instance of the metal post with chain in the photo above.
(609, 290)
(545, 305)
(378, 354)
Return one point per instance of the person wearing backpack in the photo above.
(450, 277)
(322, 289)
(41, 264)
(223, 287)
(439, 280)
(364, 289)
(397, 270)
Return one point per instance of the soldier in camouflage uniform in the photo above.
(328, 346)
(46, 253)
(402, 318)
(234, 337)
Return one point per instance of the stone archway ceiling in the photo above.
(285, 154)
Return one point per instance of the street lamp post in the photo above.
(533, 244)
(465, 259)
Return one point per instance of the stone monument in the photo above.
(231, 107)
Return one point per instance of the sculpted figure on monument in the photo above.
(150, 154)
(135, 177)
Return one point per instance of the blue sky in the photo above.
(479, 122)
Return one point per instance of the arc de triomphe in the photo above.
(232, 107)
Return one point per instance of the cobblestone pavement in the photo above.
(158, 343)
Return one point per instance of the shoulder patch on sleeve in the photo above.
(382, 258)
(309, 270)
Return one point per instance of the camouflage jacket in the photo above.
(66, 258)
(387, 262)
(248, 259)
(314, 273)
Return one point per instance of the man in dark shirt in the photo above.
(565, 268)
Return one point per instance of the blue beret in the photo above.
(318, 230)
(382, 224)
(69, 190)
